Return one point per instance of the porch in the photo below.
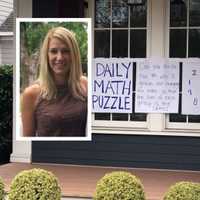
(79, 182)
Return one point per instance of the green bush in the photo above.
(119, 186)
(1, 189)
(183, 191)
(34, 184)
(6, 94)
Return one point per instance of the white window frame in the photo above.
(157, 46)
(181, 126)
(109, 125)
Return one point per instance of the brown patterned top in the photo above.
(63, 116)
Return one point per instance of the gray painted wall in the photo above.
(140, 151)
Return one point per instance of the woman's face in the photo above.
(59, 57)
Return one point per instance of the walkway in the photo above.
(80, 181)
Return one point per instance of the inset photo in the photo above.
(53, 72)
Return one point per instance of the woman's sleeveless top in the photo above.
(63, 116)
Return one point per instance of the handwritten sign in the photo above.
(157, 86)
(112, 85)
(191, 91)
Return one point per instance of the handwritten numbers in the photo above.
(190, 88)
(194, 72)
(190, 91)
(195, 101)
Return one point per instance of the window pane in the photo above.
(102, 116)
(138, 15)
(102, 10)
(178, 13)
(119, 43)
(138, 117)
(177, 43)
(194, 118)
(102, 44)
(120, 116)
(119, 13)
(177, 118)
(138, 44)
(194, 13)
(194, 43)
(134, 79)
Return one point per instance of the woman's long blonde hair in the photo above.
(46, 81)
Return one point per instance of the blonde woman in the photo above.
(56, 105)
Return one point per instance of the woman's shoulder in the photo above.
(32, 90)
(31, 93)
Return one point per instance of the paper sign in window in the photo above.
(112, 85)
(157, 86)
(191, 90)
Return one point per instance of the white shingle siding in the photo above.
(6, 37)
(7, 51)
(6, 6)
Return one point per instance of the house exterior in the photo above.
(133, 29)
(6, 32)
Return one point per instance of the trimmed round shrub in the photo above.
(183, 191)
(119, 185)
(35, 184)
(1, 189)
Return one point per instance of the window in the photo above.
(120, 30)
(126, 30)
(184, 40)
